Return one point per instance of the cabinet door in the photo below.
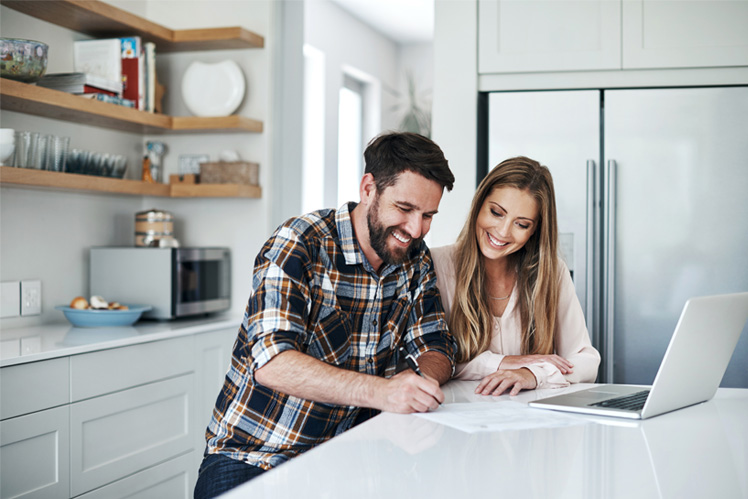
(34, 455)
(213, 356)
(535, 35)
(172, 479)
(35, 386)
(667, 34)
(119, 434)
(107, 371)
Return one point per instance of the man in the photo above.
(336, 294)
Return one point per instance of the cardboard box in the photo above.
(230, 172)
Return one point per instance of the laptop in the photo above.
(694, 364)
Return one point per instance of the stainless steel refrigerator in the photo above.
(652, 198)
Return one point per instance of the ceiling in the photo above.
(404, 21)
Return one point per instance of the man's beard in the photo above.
(379, 234)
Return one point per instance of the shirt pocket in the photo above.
(396, 322)
(331, 339)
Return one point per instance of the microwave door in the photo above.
(203, 280)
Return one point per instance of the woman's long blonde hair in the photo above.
(471, 321)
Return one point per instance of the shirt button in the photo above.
(370, 360)
(374, 322)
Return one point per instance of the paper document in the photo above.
(474, 417)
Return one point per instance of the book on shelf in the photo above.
(81, 83)
(111, 99)
(150, 77)
(122, 59)
(99, 58)
(133, 70)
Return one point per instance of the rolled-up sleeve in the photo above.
(276, 318)
(428, 330)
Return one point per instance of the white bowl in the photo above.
(6, 152)
(7, 136)
(213, 89)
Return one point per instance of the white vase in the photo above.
(213, 89)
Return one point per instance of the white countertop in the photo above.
(48, 341)
(700, 451)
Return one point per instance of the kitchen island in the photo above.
(109, 412)
(700, 451)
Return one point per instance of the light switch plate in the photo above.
(31, 297)
(10, 298)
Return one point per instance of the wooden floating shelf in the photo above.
(102, 20)
(233, 123)
(24, 177)
(74, 181)
(48, 103)
(215, 191)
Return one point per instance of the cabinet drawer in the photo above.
(117, 369)
(172, 479)
(34, 455)
(33, 387)
(116, 435)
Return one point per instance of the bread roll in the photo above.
(79, 302)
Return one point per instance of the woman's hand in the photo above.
(518, 361)
(504, 379)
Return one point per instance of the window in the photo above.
(350, 139)
(313, 172)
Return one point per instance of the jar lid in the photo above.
(154, 215)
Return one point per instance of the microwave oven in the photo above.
(176, 282)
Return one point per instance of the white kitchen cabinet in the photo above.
(592, 35)
(124, 421)
(212, 360)
(167, 480)
(122, 433)
(533, 35)
(34, 455)
(35, 386)
(107, 371)
(696, 33)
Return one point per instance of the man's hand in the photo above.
(502, 380)
(407, 392)
(518, 361)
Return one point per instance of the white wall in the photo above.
(348, 43)
(45, 234)
(454, 111)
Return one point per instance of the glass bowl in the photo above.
(22, 60)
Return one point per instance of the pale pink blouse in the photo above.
(572, 339)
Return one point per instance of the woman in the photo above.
(509, 297)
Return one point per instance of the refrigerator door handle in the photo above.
(609, 255)
(592, 284)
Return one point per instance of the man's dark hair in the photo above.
(391, 153)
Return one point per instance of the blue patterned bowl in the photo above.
(22, 60)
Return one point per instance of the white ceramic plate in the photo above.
(213, 89)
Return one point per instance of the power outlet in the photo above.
(31, 297)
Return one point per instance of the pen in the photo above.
(412, 362)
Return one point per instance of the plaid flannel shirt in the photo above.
(315, 292)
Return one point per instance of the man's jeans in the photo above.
(219, 473)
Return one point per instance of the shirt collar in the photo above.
(349, 243)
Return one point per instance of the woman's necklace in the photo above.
(500, 297)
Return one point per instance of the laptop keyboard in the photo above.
(633, 402)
